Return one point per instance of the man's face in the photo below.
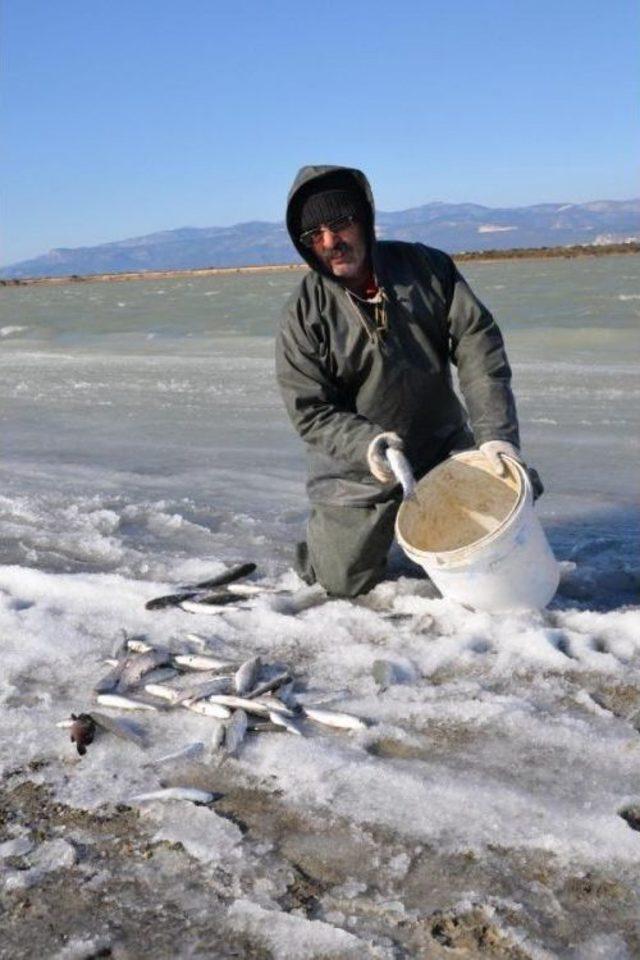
(342, 248)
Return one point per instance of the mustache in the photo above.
(337, 249)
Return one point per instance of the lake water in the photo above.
(141, 424)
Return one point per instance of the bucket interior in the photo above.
(457, 504)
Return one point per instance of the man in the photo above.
(364, 363)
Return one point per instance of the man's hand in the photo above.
(377, 455)
(494, 450)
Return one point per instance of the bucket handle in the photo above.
(402, 471)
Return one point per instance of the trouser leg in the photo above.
(346, 549)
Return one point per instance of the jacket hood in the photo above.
(313, 179)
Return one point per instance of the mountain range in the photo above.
(454, 227)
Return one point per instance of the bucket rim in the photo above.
(460, 554)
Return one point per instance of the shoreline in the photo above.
(516, 253)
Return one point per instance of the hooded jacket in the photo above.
(344, 381)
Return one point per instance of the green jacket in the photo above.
(344, 382)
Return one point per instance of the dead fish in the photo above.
(190, 752)
(235, 732)
(281, 721)
(228, 576)
(334, 718)
(208, 709)
(110, 680)
(217, 737)
(174, 793)
(210, 609)
(246, 676)
(83, 729)
(201, 661)
(243, 703)
(163, 692)
(161, 675)
(124, 729)
(135, 667)
(272, 703)
(119, 702)
(274, 684)
(198, 691)
(139, 645)
(263, 726)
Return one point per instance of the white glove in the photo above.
(494, 450)
(377, 455)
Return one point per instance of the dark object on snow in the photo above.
(194, 591)
(82, 731)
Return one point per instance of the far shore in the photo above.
(523, 253)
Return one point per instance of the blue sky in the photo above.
(124, 118)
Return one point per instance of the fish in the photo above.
(198, 691)
(163, 692)
(402, 471)
(249, 706)
(174, 793)
(138, 645)
(246, 676)
(217, 737)
(334, 718)
(190, 752)
(201, 661)
(110, 680)
(124, 729)
(281, 721)
(120, 702)
(211, 608)
(274, 684)
(227, 576)
(136, 666)
(208, 709)
(235, 732)
(161, 675)
(83, 729)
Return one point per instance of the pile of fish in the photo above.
(250, 697)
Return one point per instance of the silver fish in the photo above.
(193, 606)
(281, 721)
(163, 691)
(124, 729)
(190, 752)
(110, 680)
(135, 667)
(243, 703)
(246, 676)
(207, 709)
(120, 702)
(138, 645)
(269, 685)
(174, 793)
(161, 675)
(198, 691)
(235, 732)
(201, 661)
(217, 737)
(334, 718)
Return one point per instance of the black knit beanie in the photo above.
(328, 205)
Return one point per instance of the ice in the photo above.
(202, 833)
(296, 938)
(132, 465)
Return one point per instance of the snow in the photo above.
(131, 468)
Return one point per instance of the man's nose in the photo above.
(327, 237)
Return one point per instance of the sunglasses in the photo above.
(311, 237)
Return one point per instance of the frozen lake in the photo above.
(490, 806)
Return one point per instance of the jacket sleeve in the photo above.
(318, 411)
(477, 349)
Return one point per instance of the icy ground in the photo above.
(491, 807)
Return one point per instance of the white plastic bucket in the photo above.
(477, 535)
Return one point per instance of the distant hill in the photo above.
(454, 227)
